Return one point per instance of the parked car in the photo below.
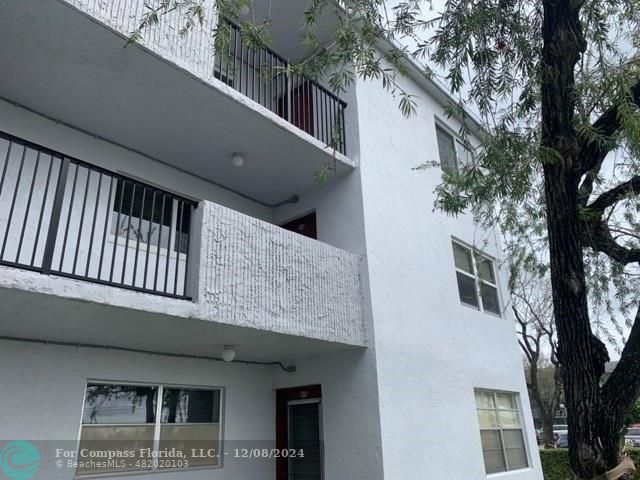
(632, 437)
(561, 438)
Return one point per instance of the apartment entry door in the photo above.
(299, 430)
(300, 112)
(305, 225)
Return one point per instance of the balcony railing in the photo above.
(62, 216)
(264, 76)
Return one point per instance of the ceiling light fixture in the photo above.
(237, 160)
(229, 353)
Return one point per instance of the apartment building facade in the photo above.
(176, 283)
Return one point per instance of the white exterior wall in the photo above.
(45, 398)
(350, 415)
(349, 380)
(47, 383)
(431, 350)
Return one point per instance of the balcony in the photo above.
(172, 98)
(264, 77)
(157, 253)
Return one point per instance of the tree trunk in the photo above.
(580, 353)
(546, 419)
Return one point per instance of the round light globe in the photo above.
(228, 354)
(244, 10)
(237, 160)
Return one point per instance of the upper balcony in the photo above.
(173, 98)
(123, 259)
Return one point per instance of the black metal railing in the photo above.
(264, 76)
(63, 216)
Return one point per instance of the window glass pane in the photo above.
(490, 440)
(119, 404)
(517, 458)
(492, 452)
(512, 454)
(190, 439)
(128, 438)
(515, 449)
(513, 438)
(190, 406)
(147, 232)
(304, 435)
(182, 232)
(485, 269)
(462, 257)
(487, 419)
(485, 400)
(494, 461)
(506, 401)
(156, 214)
(509, 418)
(464, 155)
(134, 204)
(467, 289)
(446, 150)
(490, 301)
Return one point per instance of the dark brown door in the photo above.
(301, 107)
(304, 226)
(299, 429)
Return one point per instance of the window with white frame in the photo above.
(477, 284)
(454, 154)
(501, 433)
(141, 425)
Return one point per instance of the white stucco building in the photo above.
(159, 211)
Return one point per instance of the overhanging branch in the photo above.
(611, 197)
(623, 386)
(597, 233)
(598, 237)
(594, 151)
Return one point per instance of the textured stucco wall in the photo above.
(192, 51)
(256, 274)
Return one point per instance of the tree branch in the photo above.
(622, 388)
(525, 340)
(629, 188)
(597, 236)
(525, 351)
(593, 151)
(596, 232)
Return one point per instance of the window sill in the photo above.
(478, 309)
(142, 247)
(517, 471)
